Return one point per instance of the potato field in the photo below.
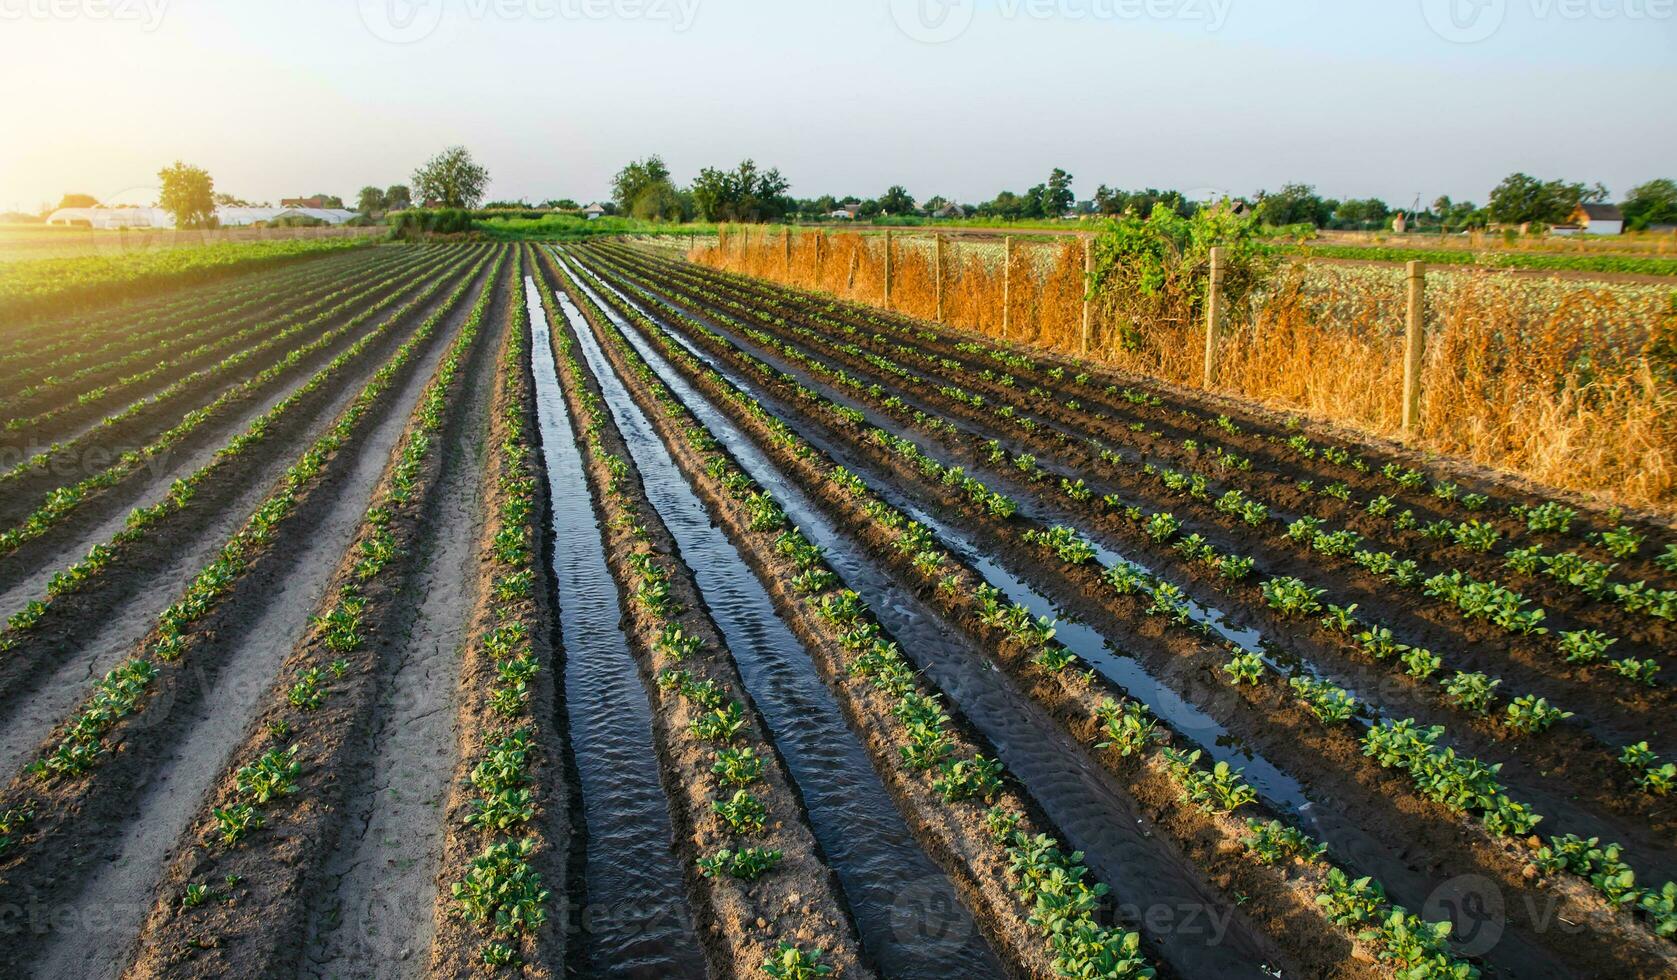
(468, 609)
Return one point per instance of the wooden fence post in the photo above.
(937, 271)
(820, 247)
(887, 268)
(1007, 283)
(786, 240)
(1414, 347)
(1213, 314)
(1088, 270)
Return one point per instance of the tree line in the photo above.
(645, 189)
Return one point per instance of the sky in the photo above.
(962, 98)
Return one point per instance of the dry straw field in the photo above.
(1567, 382)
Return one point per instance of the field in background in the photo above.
(21, 242)
(32, 285)
(1556, 380)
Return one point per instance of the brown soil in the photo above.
(799, 902)
(78, 820)
(265, 886)
(455, 943)
(1292, 738)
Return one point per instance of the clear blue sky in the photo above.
(1359, 97)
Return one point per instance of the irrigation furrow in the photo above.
(884, 873)
(1515, 878)
(1602, 706)
(761, 892)
(512, 785)
(1193, 930)
(1324, 454)
(1079, 429)
(1539, 772)
(634, 916)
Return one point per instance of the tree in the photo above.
(452, 179)
(78, 201)
(561, 204)
(1055, 197)
(1007, 205)
(188, 194)
(370, 201)
(329, 200)
(1521, 198)
(1109, 200)
(643, 189)
(741, 194)
(397, 197)
(1653, 203)
(897, 200)
(1361, 214)
(1294, 204)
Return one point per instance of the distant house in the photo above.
(318, 202)
(593, 211)
(1593, 219)
(950, 210)
(841, 214)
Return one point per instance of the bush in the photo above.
(1155, 269)
(409, 225)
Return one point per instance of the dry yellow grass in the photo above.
(1555, 380)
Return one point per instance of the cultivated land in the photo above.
(545, 609)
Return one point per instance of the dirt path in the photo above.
(636, 921)
(372, 917)
(45, 698)
(130, 857)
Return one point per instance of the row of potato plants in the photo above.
(695, 679)
(1469, 691)
(149, 521)
(34, 287)
(507, 782)
(143, 320)
(83, 740)
(1548, 518)
(1051, 888)
(98, 413)
(1635, 597)
(1543, 518)
(216, 328)
(288, 772)
(342, 301)
(1461, 784)
(1481, 598)
(63, 501)
(1127, 732)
